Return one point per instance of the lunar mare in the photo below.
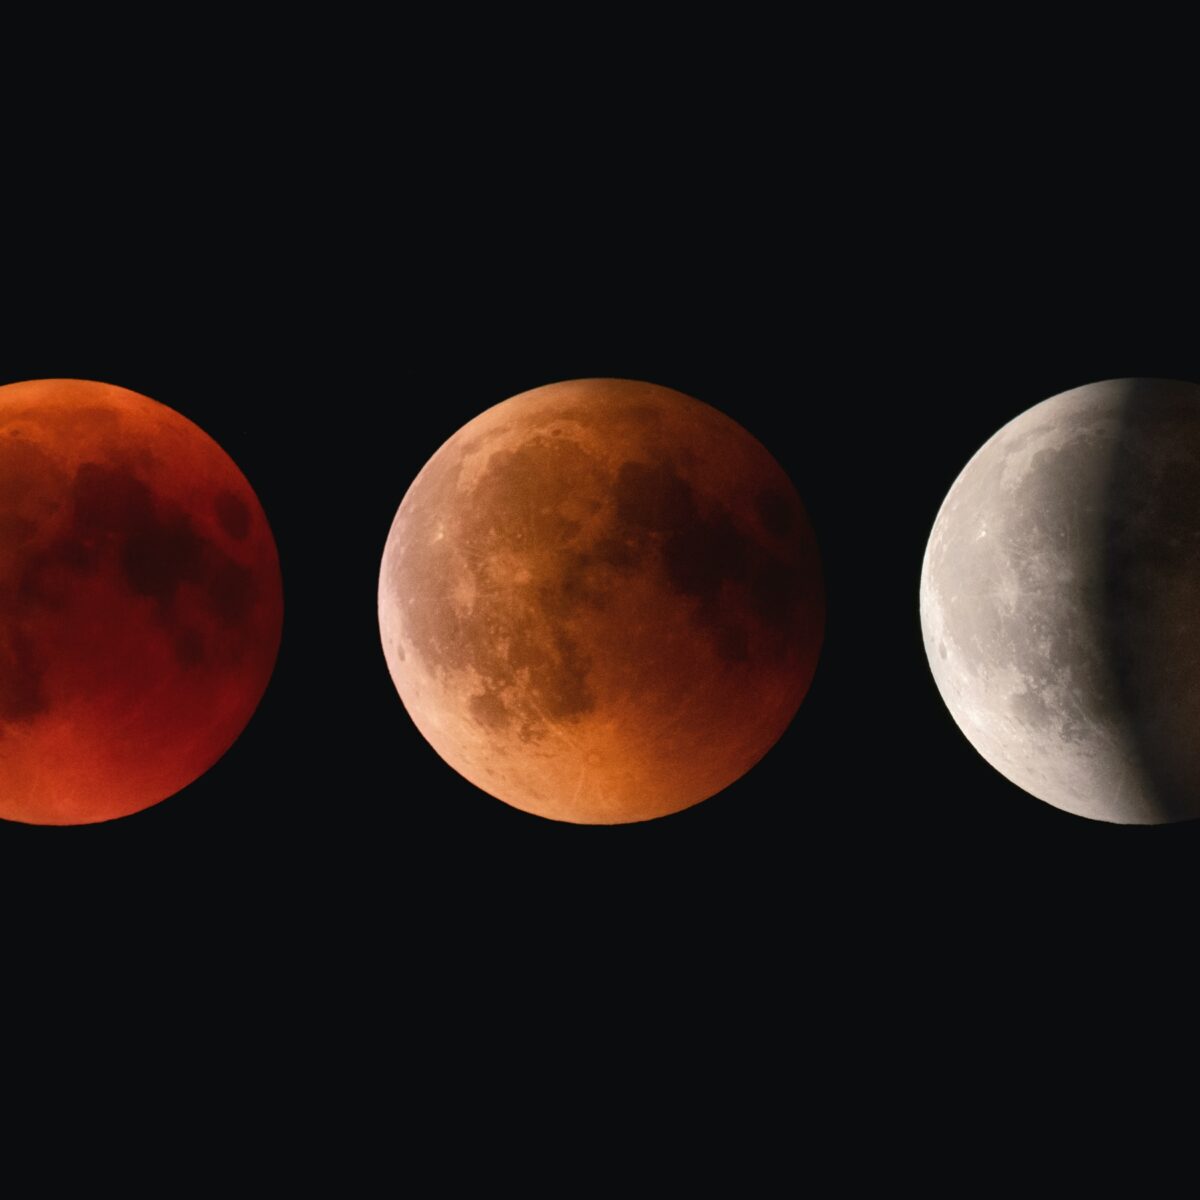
(140, 602)
(1060, 601)
(601, 601)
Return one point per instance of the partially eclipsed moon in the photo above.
(601, 601)
(140, 602)
(1060, 601)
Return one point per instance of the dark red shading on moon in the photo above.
(601, 601)
(140, 602)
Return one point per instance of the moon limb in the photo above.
(600, 601)
(140, 602)
(1056, 597)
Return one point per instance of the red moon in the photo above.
(140, 602)
(601, 601)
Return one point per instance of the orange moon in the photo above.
(601, 601)
(140, 602)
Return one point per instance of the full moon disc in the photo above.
(140, 602)
(601, 601)
(1060, 601)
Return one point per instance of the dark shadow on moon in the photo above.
(1065, 573)
(611, 601)
(741, 584)
(1150, 598)
(118, 526)
(753, 591)
(22, 695)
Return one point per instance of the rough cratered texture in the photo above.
(601, 601)
(140, 602)
(1060, 601)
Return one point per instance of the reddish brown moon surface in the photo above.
(140, 602)
(601, 601)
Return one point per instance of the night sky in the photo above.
(873, 344)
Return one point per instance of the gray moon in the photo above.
(601, 601)
(1060, 601)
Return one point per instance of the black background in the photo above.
(871, 312)
(873, 238)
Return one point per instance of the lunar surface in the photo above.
(140, 602)
(601, 601)
(1060, 601)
